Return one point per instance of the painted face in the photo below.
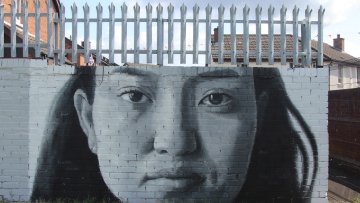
(174, 133)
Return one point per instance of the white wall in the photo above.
(350, 79)
(28, 88)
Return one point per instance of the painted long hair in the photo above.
(68, 170)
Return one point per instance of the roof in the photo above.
(104, 61)
(20, 34)
(252, 46)
(334, 54)
(330, 53)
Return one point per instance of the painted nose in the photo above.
(175, 134)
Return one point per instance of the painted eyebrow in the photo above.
(133, 71)
(223, 73)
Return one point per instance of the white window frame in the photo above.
(358, 75)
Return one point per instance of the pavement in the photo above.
(344, 183)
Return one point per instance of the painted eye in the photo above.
(216, 99)
(135, 96)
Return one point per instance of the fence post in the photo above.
(258, 36)
(149, 33)
(271, 12)
(99, 11)
(37, 29)
(123, 33)
(136, 32)
(25, 30)
(183, 34)
(171, 34)
(295, 36)
(13, 28)
(50, 51)
(233, 34)
(56, 38)
(74, 33)
(221, 11)
(62, 33)
(308, 36)
(208, 34)
(283, 34)
(112, 32)
(1, 29)
(86, 32)
(246, 12)
(160, 33)
(196, 34)
(320, 47)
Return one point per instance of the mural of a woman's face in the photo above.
(184, 133)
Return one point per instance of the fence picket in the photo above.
(196, 10)
(295, 36)
(2, 30)
(37, 29)
(136, 33)
(123, 33)
(160, 34)
(13, 28)
(308, 12)
(246, 12)
(74, 33)
(62, 33)
(233, 34)
(99, 11)
(221, 11)
(50, 40)
(112, 31)
(171, 34)
(271, 12)
(283, 35)
(25, 30)
(183, 35)
(149, 33)
(258, 12)
(320, 47)
(208, 34)
(86, 32)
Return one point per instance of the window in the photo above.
(358, 75)
(340, 74)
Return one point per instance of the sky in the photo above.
(341, 17)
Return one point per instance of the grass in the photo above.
(356, 200)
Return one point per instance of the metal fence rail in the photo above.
(55, 44)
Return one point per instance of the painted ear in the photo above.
(84, 112)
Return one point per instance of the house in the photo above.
(344, 68)
(7, 9)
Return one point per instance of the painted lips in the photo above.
(179, 179)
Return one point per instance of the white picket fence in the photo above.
(55, 44)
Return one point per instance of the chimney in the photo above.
(339, 43)
(216, 35)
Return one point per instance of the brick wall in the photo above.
(43, 19)
(148, 133)
(344, 128)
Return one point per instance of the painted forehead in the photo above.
(154, 71)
